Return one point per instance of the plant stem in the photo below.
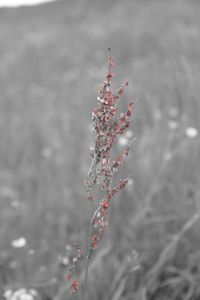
(87, 261)
(88, 252)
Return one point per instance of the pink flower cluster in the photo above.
(107, 128)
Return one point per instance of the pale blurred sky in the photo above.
(21, 2)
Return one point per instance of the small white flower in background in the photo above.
(130, 182)
(19, 243)
(173, 125)
(74, 259)
(26, 297)
(7, 294)
(68, 247)
(191, 132)
(33, 292)
(123, 141)
(129, 134)
(21, 294)
(65, 260)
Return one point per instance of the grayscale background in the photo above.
(52, 61)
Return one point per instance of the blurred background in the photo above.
(52, 63)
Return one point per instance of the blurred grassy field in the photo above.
(52, 61)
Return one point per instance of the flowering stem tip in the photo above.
(107, 127)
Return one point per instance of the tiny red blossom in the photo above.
(130, 109)
(105, 204)
(74, 286)
(110, 75)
